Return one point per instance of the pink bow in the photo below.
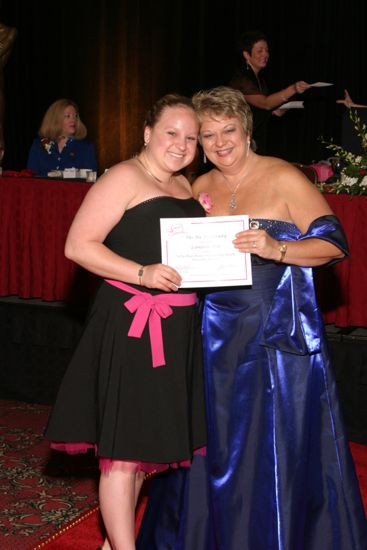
(147, 306)
(153, 307)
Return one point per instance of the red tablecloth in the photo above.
(35, 216)
(342, 289)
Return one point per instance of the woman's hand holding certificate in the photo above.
(202, 250)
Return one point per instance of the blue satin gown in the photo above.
(278, 474)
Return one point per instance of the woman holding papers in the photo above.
(278, 474)
(134, 389)
(254, 50)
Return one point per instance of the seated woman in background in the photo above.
(61, 141)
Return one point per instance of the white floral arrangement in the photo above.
(353, 175)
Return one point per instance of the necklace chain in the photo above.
(233, 198)
(151, 173)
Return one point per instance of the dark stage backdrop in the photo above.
(115, 57)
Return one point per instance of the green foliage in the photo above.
(353, 176)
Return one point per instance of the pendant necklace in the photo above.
(233, 199)
(151, 173)
(232, 205)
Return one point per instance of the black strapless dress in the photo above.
(110, 396)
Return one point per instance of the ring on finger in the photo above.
(254, 244)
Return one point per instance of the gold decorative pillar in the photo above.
(7, 37)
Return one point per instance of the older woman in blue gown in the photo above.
(278, 474)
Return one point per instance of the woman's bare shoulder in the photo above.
(120, 175)
(282, 172)
(123, 169)
(116, 187)
(275, 164)
(183, 183)
(202, 183)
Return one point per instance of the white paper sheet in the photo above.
(321, 84)
(202, 251)
(292, 105)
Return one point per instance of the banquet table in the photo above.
(36, 213)
(342, 288)
(35, 216)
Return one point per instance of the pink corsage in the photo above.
(205, 201)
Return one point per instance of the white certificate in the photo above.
(202, 251)
(321, 84)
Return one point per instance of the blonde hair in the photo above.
(52, 122)
(224, 101)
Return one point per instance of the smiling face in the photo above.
(259, 56)
(224, 140)
(70, 121)
(171, 142)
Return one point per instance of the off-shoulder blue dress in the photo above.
(278, 474)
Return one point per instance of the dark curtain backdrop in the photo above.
(115, 57)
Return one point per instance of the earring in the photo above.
(204, 159)
(248, 147)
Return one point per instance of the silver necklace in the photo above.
(151, 173)
(233, 198)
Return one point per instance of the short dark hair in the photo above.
(247, 40)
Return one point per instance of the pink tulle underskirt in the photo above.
(130, 466)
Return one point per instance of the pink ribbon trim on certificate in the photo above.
(153, 308)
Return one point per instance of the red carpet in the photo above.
(40, 492)
(88, 532)
(50, 500)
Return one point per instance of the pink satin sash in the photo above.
(153, 308)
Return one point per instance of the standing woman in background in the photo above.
(254, 50)
(61, 141)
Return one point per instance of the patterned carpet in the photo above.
(49, 500)
(40, 490)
